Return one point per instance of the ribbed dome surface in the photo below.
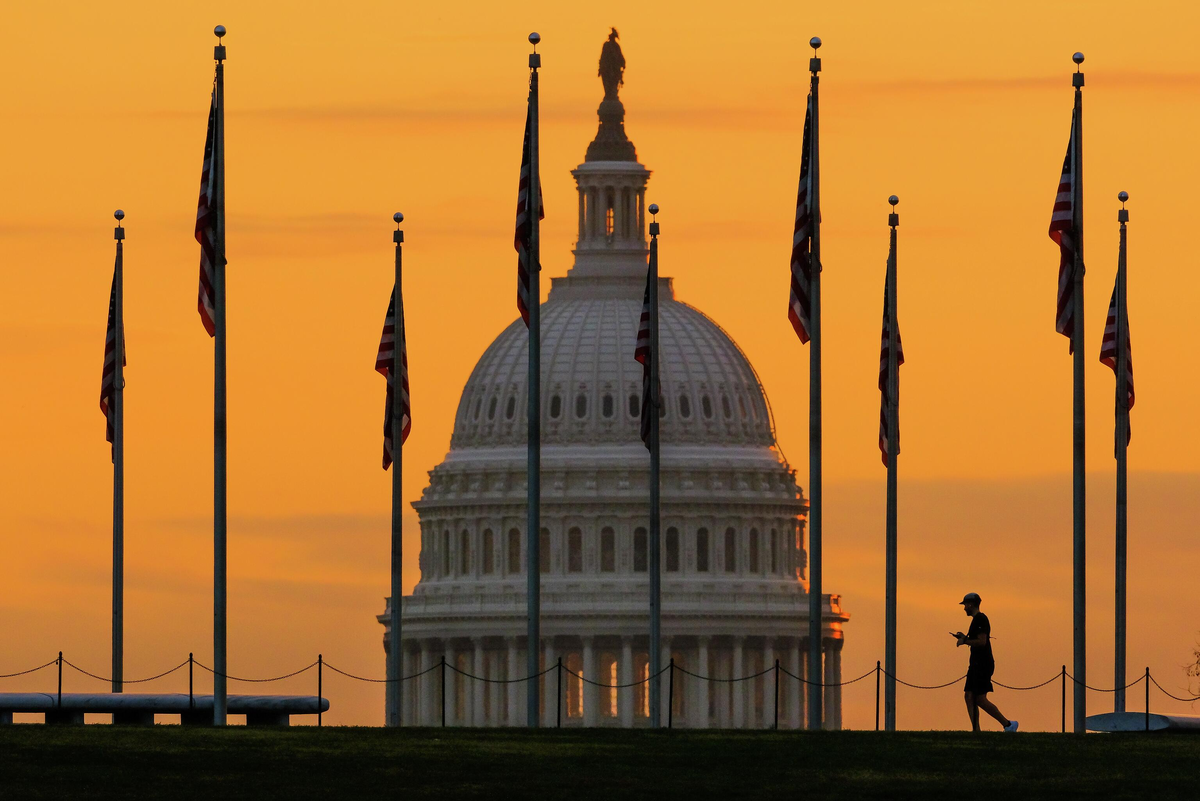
(591, 384)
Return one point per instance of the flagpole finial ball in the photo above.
(815, 42)
(1077, 58)
(120, 215)
(893, 200)
(1122, 196)
(219, 31)
(654, 208)
(398, 217)
(535, 38)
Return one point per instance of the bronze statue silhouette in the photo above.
(612, 66)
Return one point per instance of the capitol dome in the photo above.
(734, 594)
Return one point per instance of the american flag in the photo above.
(1108, 352)
(110, 361)
(798, 305)
(883, 378)
(383, 364)
(206, 227)
(1062, 231)
(641, 352)
(524, 233)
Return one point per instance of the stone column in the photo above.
(582, 215)
(625, 694)
(588, 670)
(550, 682)
(451, 695)
(768, 686)
(737, 670)
(425, 686)
(795, 693)
(479, 686)
(830, 694)
(836, 653)
(698, 715)
(403, 687)
(664, 683)
(513, 689)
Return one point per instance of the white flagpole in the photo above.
(533, 564)
(220, 701)
(1079, 430)
(117, 400)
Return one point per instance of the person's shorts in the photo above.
(979, 680)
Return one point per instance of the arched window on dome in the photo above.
(672, 559)
(702, 550)
(492, 407)
(742, 406)
(511, 408)
(606, 405)
(685, 407)
(489, 552)
(706, 407)
(581, 404)
(774, 551)
(730, 550)
(754, 566)
(514, 551)
(544, 551)
(464, 553)
(635, 406)
(478, 408)
(639, 550)
(608, 550)
(555, 406)
(575, 550)
(445, 554)
(726, 408)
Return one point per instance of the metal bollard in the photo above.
(60, 680)
(776, 726)
(558, 696)
(191, 694)
(1147, 698)
(1064, 699)
(876, 695)
(671, 695)
(443, 691)
(320, 665)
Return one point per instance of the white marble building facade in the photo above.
(734, 593)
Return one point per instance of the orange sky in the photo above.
(337, 118)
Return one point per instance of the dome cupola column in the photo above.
(612, 186)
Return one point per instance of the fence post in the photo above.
(558, 695)
(60, 681)
(1147, 698)
(191, 693)
(776, 695)
(443, 691)
(671, 695)
(320, 665)
(1064, 699)
(876, 695)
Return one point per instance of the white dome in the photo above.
(592, 385)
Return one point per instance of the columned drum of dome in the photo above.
(734, 584)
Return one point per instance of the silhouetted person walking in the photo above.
(982, 666)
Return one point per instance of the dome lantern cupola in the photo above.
(612, 187)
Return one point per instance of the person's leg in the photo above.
(972, 710)
(982, 702)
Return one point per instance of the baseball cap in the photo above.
(970, 598)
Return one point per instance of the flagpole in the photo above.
(1079, 431)
(893, 454)
(815, 605)
(533, 396)
(117, 399)
(395, 652)
(220, 701)
(1122, 442)
(655, 649)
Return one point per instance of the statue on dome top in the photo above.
(612, 66)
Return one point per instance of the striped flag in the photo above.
(1062, 231)
(1108, 353)
(383, 365)
(110, 361)
(641, 352)
(883, 377)
(798, 304)
(206, 226)
(522, 242)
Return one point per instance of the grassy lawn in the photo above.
(169, 761)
